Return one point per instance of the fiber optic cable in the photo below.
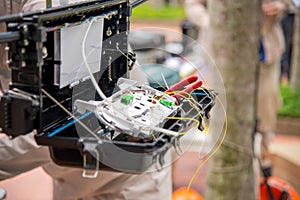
(212, 153)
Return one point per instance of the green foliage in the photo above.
(291, 102)
(168, 12)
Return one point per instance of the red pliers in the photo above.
(184, 87)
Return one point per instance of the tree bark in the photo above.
(295, 70)
(234, 47)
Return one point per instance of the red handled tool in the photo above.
(185, 86)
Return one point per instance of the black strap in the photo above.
(284, 195)
(270, 192)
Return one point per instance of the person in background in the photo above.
(287, 24)
(269, 101)
(22, 154)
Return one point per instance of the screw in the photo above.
(25, 28)
(45, 52)
(8, 61)
(26, 42)
(108, 32)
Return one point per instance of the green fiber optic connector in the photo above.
(126, 99)
(166, 103)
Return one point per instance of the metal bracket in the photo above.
(179, 151)
(83, 106)
(160, 159)
(90, 160)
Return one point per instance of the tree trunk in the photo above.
(234, 48)
(295, 71)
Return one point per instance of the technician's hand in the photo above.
(271, 8)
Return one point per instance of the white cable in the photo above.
(99, 91)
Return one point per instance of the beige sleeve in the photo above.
(20, 154)
(33, 5)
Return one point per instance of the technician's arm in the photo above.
(20, 154)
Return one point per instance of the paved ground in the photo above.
(36, 184)
(33, 185)
(286, 160)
